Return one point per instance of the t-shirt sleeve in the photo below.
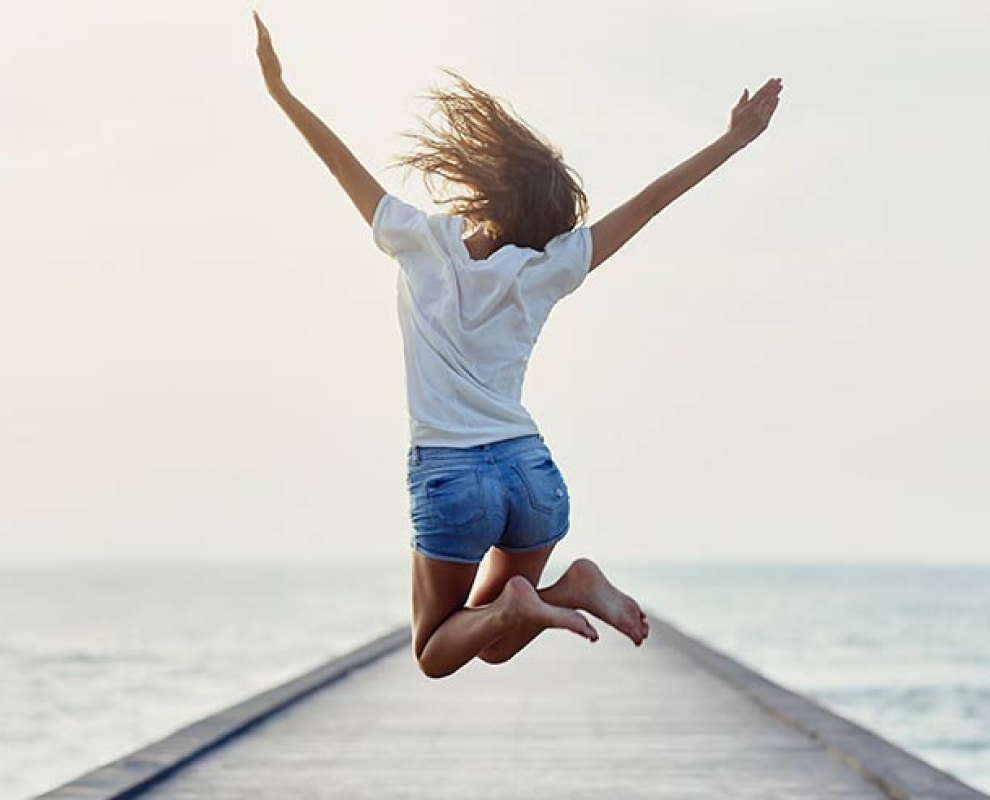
(569, 259)
(398, 228)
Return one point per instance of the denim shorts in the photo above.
(465, 500)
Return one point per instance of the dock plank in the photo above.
(565, 718)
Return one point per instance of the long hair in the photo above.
(513, 183)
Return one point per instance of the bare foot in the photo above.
(521, 603)
(590, 590)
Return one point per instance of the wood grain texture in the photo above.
(566, 718)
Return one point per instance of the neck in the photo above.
(480, 246)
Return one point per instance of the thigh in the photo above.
(500, 565)
(439, 588)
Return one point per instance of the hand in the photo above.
(271, 69)
(751, 115)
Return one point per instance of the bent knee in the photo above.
(493, 656)
(432, 670)
(427, 665)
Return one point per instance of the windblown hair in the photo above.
(515, 184)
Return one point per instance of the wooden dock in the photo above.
(565, 719)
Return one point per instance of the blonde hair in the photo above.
(516, 186)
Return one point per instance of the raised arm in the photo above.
(749, 119)
(365, 192)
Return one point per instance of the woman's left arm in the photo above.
(365, 192)
(748, 120)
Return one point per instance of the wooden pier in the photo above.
(565, 719)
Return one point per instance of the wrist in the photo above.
(277, 89)
(732, 142)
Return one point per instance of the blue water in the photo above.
(97, 661)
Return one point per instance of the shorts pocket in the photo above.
(456, 498)
(544, 484)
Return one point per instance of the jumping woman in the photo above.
(475, 288)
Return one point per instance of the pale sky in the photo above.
(199, 352)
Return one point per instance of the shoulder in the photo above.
(566, 261)
(400, 228)
(572, 245)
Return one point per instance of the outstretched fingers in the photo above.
(768, 91)
(262, 30)
(270, 66)
(768, 104)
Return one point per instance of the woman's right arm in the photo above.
(365, 192)
(749, 119)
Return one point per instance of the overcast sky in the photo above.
(199, 352)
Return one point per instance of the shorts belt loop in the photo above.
(415, 455)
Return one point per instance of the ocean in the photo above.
(96, 661)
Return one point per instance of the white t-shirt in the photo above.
(469, 327)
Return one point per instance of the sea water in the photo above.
(96, 661)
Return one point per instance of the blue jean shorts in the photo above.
(465, 500)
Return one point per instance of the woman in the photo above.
(483, 484)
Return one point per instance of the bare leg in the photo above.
(583, 586)
(499, 566)
(446, 635)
